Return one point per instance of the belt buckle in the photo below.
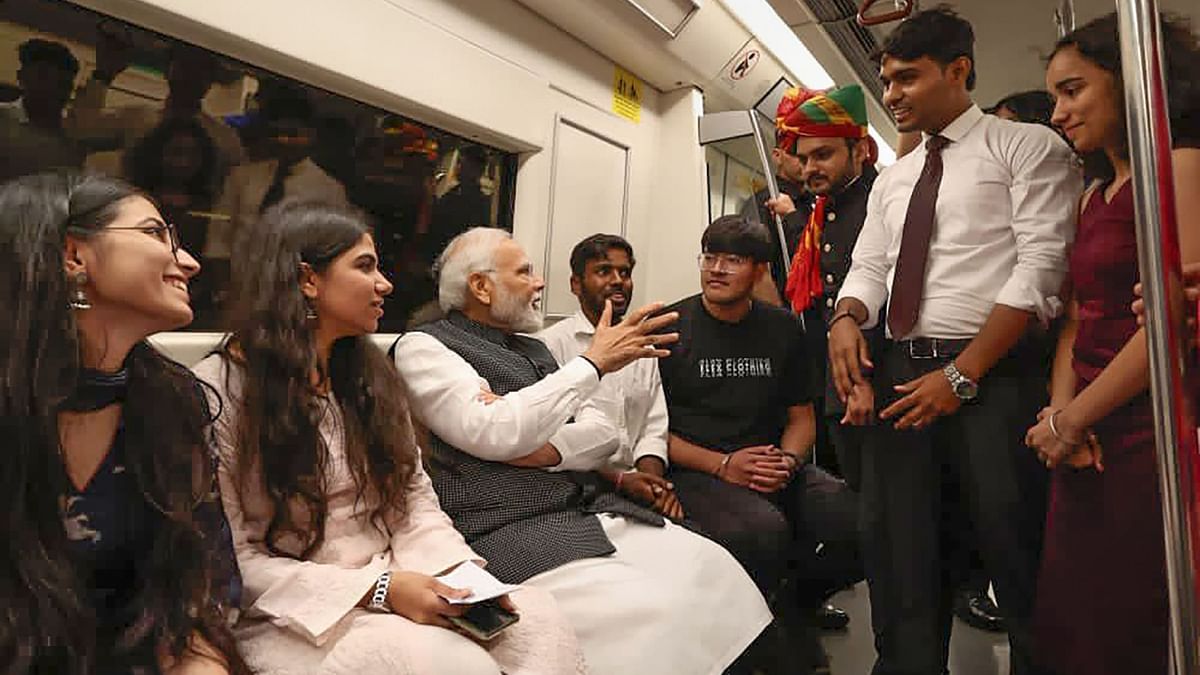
(932, 351)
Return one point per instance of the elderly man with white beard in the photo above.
(513, 442)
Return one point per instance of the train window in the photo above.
(734, 176)
(215, 141)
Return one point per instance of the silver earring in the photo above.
(310, 312)
(79, 299)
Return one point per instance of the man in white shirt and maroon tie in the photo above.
(965, 241)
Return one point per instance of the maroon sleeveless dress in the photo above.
(1102, 591)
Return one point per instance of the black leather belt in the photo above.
(932, 348)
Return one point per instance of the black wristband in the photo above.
(599, 373)
(842, 315)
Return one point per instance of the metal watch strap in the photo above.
(956, 378)
(378, 601)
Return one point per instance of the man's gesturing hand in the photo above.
(636, 337)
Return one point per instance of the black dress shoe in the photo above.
(832, 618)
(978, 611)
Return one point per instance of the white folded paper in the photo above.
(483, 586)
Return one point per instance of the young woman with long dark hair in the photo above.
(1102, 592)
(116, 556)
(336, 526)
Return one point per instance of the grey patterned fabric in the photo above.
(523, 521)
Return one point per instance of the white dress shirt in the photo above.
(641, 407)
(1005, 216)
(444, 393)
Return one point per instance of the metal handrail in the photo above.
(1159, 266)
(1064, 17)
(903, 9)
(773, 188)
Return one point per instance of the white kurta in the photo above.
(668, 601)
(301, 617)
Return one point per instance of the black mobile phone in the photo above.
(485, 620)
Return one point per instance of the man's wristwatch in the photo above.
(964, 387)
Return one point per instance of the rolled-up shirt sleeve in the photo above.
(444, 392)
(867, 280)
(1045, 196)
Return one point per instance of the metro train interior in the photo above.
(551, 119)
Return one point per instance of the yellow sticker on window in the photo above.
(627, 95)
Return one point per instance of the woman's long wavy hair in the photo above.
(1099, 42)
(46, 623)
(281, 451)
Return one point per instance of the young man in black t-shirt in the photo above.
(742, 426)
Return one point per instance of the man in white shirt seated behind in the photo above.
(643, 594)
(602, 271)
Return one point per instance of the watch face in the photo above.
(966, 390)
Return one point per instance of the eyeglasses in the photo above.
(722, 261)
(164, 232)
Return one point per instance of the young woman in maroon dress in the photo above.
(1102, 598)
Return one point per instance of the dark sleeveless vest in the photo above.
(523, 521)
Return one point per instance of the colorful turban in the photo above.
(785, 136)
(837, 113)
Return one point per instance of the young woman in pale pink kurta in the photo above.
(322, 479)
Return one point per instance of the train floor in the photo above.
(852, 652)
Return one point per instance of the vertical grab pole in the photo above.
(772, 188)
(1159, 263)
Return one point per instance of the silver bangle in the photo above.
(1054, 430)
(378, 601)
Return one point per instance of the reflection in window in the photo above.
(733, 180)
(215, 141)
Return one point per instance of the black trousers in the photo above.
(922, 490)
(756, 528)
(804, 535)
(847, 444)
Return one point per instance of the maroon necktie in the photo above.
(909, 282)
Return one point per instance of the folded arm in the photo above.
(444, 393)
